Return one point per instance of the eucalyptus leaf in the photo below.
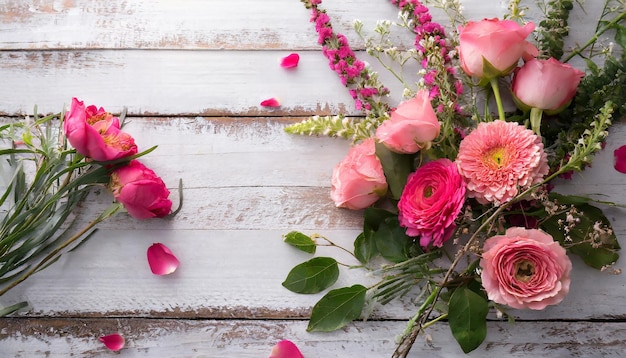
(467, 317)
(301, 241)
(337, 308)
(396, 167)
(312, 276)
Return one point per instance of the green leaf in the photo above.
(396, 167)
(337, 308)
(365, 248)
(467, 317)
(312, 276)
(392, 241)
(620, 36)
(301, 241)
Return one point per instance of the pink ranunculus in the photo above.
(525, 268)
(411, 126)
(285, 349)
(546, 84)
(358, 180)
(96, 134)
(430, 202)
(500, 42)
(141, 191)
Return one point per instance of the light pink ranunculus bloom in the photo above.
(358, 180)
(96, 134)
(525, 268)
(411, 126)
(141, 191)
(430, 202)
(501, 42)
(546, 84)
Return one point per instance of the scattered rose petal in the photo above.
(290, 61)
(271, 102)
(620, 159)
(285, 349)
(114, 342)
(161, 260)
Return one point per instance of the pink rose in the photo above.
(96, 134)
(430, 202)
(141, 191)
(525, 268)
(501, 42)
(412, 125)
(546, 84)
(358, 180)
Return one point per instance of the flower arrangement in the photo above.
(456, 187)
(50, 165)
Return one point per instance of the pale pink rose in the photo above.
(546, 84)
(358, 180)
(497, 159)
(430, 202)
(525, 268)
(501, 42)
(141, 191)
(96, 134)
(412, 125)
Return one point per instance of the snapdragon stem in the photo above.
(496, 92)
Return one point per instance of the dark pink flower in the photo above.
(290, 61)
(620, 159)
(430, 202)
(525, 268)
(96, 134)
(285, 349)
(161, 259)
(114, 342)
(141, 191)
(271, 102)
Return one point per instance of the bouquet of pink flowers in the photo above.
(443, 171)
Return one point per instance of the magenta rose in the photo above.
(430, 202)
(96, 134)
(141, 191)
(525, 268)
(358, 180)
(500, 42)
(546, 84)
(411, 126)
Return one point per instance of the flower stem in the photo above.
(535, 120)
(496, 92)
(596, 36)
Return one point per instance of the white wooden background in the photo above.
(192, 74)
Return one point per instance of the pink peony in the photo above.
(358, 180)
(499, 158)
(500, 42)
(141, 191)
(525, 268)
(96, 134)
(546, 84)
(412, 125)
(430, 202)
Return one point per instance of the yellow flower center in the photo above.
(524, 270)
(428, 191)
(496, 158)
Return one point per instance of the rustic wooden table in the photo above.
(192, 74)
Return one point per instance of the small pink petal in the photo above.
(290, 61)
(161, 260)
(620, 159)
(271, 102)
(285, 349)
(114, 342)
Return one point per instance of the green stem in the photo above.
(496, 92)
(596, 36)
(428, 324)
(535, 120)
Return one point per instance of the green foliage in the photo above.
(312, 276)
(365, 248)
(392, 242)
(353, 128)
(396, 167)
(301, 241)
(554, 28)
(337, 308)
(467, 316)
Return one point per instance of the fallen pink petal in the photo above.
(285, 349)
(290, 61)
(114, 342)
(271, 102)
(620, 159)
(161, 259)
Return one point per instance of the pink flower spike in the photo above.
(620, 159)
(114, 342)
(285, 349)
(161, 260)
(271, 102)
(290, 61)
